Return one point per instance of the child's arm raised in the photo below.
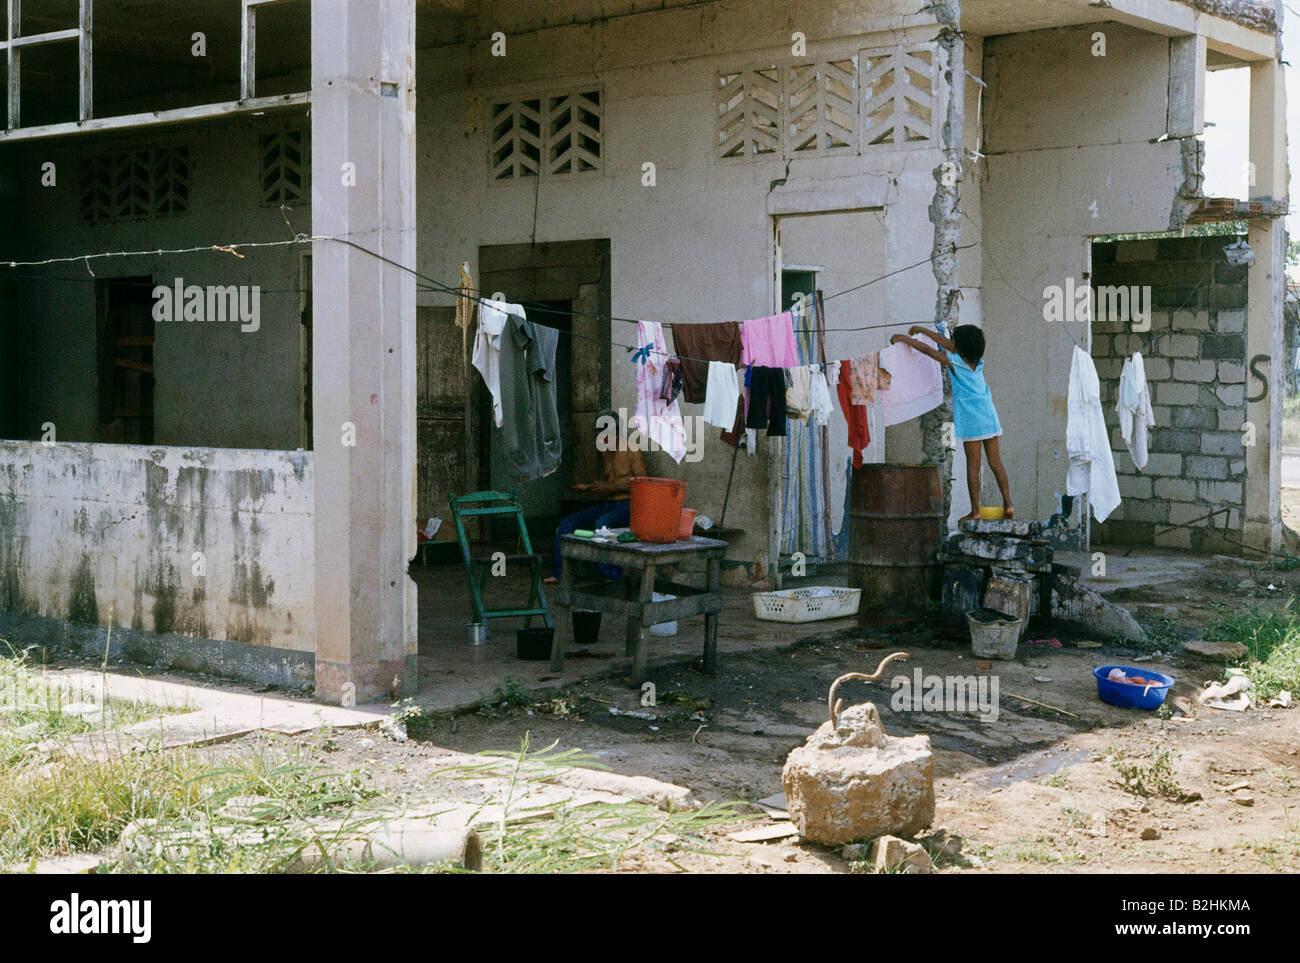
(933, 335)
(922, 347)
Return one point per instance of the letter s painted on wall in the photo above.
(1261, 375)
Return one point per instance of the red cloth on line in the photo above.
(855, 415)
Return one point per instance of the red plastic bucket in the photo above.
(657, 508)
(687, 527)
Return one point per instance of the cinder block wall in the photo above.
(1195, 358)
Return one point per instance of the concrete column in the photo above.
(363, 347)
(1265, 292)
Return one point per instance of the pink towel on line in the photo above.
(769, 342)
(915, 384)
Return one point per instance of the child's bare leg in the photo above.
(972, 449)
(1000, 473)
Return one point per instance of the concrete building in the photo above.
(237, 484)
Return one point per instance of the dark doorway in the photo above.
(126, 369)
(542, 499)
(563, 285)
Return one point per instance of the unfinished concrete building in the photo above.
(237, 485)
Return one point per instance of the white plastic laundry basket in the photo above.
(663, 628)
(806, 604)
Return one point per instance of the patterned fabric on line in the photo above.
(658, 420)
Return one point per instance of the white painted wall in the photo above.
(1069, 138)
(699, 246)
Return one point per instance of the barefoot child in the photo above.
(975, 420)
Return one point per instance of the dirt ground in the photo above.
(1036, 790)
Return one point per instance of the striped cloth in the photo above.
(805, 508)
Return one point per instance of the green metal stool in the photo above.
(478, 566)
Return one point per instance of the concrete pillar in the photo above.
(363, 347)
(1186, 108)
(1265, 293)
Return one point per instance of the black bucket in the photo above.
(534, 645)
(586, 626)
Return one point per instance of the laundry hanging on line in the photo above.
(657, 419)
(1087, 440)
(1134, 407)
(915, 383)
(516, 359)
(697, 346)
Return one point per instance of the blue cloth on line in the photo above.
(973, 414)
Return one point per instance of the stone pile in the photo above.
(1005, 565)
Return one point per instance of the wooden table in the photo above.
(633, 600)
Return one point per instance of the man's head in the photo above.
(969, 342)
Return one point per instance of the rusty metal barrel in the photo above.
(895, 532)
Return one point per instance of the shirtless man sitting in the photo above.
(618, 468)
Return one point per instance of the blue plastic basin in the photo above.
(1129, 696)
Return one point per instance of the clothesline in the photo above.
(440, 287)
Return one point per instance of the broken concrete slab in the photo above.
(1077, 604)
(854, 782)
(1216, 651)
(1003, 527)
(1013, 594)
(889, 854)
(999, 549)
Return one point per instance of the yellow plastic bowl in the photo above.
(991, 513)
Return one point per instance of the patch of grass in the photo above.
(1076, 817)
(56, 801)
(34, 707)
(561, 839)
(1161, 636)
(1277, 854)
(1057, 780)
(1154, 779)
(1025, 850)
(508, 693)
(78, 805)
(1272, 641)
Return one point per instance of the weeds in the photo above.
(561, 839)
(1076, 817)
(1026, 850)
(412, 719)
(1155, 779)
(511, 692)
(1160, 636)
(1272, 641)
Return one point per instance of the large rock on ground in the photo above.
(854, 782)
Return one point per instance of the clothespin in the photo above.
(642, 354)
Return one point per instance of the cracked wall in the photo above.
(1075, 150)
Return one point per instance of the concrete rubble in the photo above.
(1007, 565)
(853, 781)
(889, 854)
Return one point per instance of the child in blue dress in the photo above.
(975, 420)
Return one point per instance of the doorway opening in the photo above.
(126, 361)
